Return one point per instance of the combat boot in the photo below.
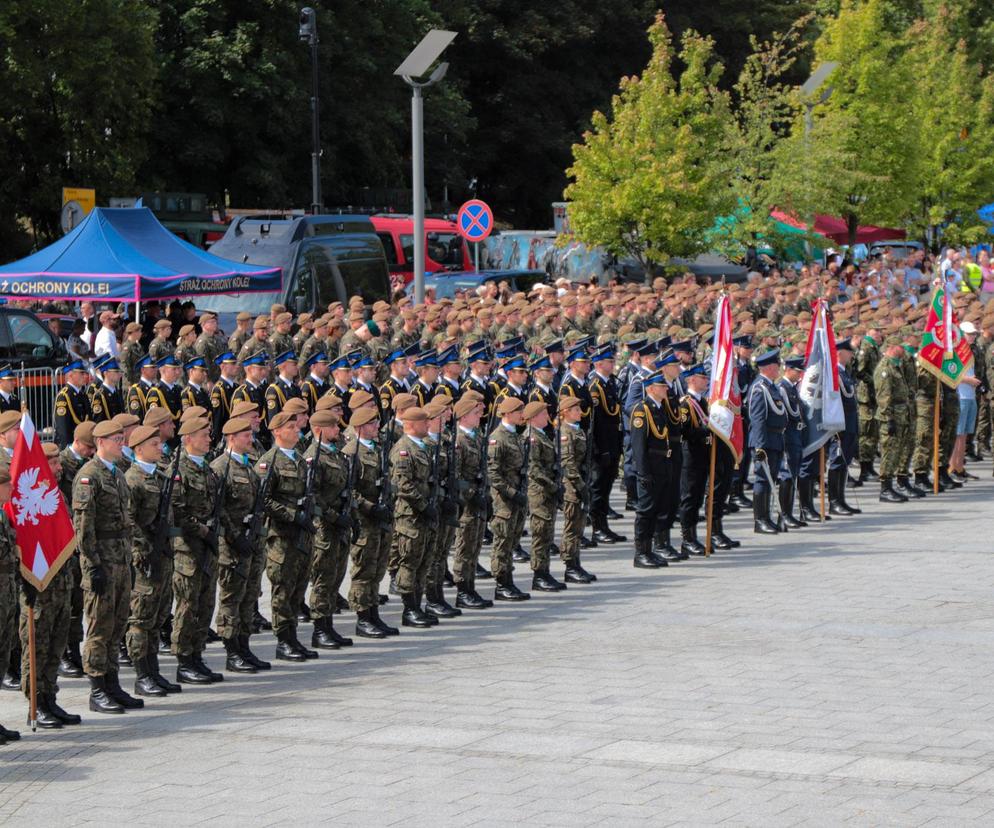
(663, 549)
(837, 494)
(905, 488)
(198, 662)
(62, 715)
(320, 639)
(187, 673)
(786, 494)
(719, 540)
(644, 559)
(44, 717)
(383, 625)
(365, 627)
(285, 651)
(337, 637)
(438, 606)
(887, 493)
(123, 657)
(300, 648)
(739, 497)
(112, 682)
(519, 555)
(412, 615)
(809, 513)
(867, 474)
(924, 483)
(576, 574)
(543, 581)
(12, 678)
(145, 683)
(161, 680)
(946, 481)
(691, 545)
(249, 656)
(100, 700)
(484, 603)
(236, 662)
(259, 621)
(71, 665)
(392, 589)
(432, 618)
(467, 598)
(507, 591)
(761, 514)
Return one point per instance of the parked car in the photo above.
(899, 248)
(446, 283)
(445, 249)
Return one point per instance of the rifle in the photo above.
(523, 486)
(306, 503)
(162, 528)
(483, 475)
(588, 460)
(214, 521)
(386, 494)
(254, 521)
(452, 483)
(436, 483)
(560, 490)
(348, 495)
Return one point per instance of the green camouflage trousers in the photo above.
(286, 568)
(948, 420)
(445, 536)
(506, 526)
(51, 611)
(237, 595)
(921, 460)
(369, 565)
(869, 434)
(982, 434)
(893, 447)
(329, 560)
(151, 602)
(413, 538)
(466, 550)
(8, 613)
(195, 592)
(573, 520)
(106, 619)
(542, 527)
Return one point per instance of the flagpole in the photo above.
(33, 677)
(935, 440)
(821, 480)
(707, 537)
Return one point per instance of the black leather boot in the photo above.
(249, 656)
(161, 680)
(413, 615)
(467, 598)
(285, 651)
(762, 525)
(383, 625)
(123, 657)
(837, 494)
(12, 678)
(112, 683)
(44, 717)
(691, 545)
(438, 606)
(260, 622)
(905, 488)
(71, 664)
(543, 581)
(485, 603)
(867, 474)
(482, 572)
(787, 496)
(644, 559)
(198, 662)
(887, 493)
(739, 497)
(365, 627)
(62, 715)
(336, 636)
(187, 673)
(519, 555)
(719, 540)
(663, 549)
(236, 661)
(300, 648)
(507, 591)
(947, 481)
(576, 574)
(145, 683)
(808, 512)
(432, 618)
(320, 638)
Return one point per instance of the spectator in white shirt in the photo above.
(106, 342)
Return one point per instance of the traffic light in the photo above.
(308, 25)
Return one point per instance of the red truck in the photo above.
(445, 249)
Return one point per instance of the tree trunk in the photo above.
(852, 225)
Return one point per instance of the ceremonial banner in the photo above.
(819, 389)
(724, 395)
(37, 511)
(944, 350)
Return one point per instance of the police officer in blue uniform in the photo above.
(695, 465)
(845, 446)
(9, 401)
(790, 468)
(767, 426)
(607, 445)
(72, 405)
(746, 374)
(632, 396)
(314, 387)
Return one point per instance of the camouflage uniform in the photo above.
(911, 380)
(506, 457)
(210, 347)
(151, 594)
(51, 611)
(103, 533)
(330, 554)
(866, 361)
(131, 352)
(543, 496)
(574, 454)
(195, 562)
(892, 413)
(473, 518)
(410, 475)
(371, 546)
(948, 419)
(9, 567)
(159, 348)
(71, 464)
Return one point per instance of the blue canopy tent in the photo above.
(126, 255)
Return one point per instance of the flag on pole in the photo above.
(37, 510)
(725, 396)
(944, 351)
(819, 389)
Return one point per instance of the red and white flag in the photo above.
(725, 396)
(37, 510)
(819, 388)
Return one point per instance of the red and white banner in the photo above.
(725, 396)
(37, 510)
(819, 389)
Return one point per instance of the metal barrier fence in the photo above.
(37, 388)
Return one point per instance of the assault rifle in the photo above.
(162, 529)
(305, 505)
(214, 521)
(254, 521)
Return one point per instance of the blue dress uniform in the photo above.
(605, 394)
(446, 387)
(169, 397)
(767, 426)
(790, 467)
(195, 394)
(544, 394)
(8, 402)
(652, 455)
(107, 400)
(695, 465)
(281, 389)
(221, 397)
(393, 386)
(845, 446)
(364, 361)
(573, 386)
(422, 390)
(632, 396)
(745, 375)
(72, 406)
(314, 388)
(256, 394)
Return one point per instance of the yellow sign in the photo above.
(87, 199)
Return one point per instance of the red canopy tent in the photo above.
(834, 228)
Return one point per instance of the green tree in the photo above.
(649, 181)
(78, 80)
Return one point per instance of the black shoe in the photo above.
(576, 574)
(161, 680)
(11, 680)
(365, 627)
(519, 555)
(384, 599)
(145, 683)
(320, 639)
(482, 572)
(187, 673)
(337, 637)
(629, 506)
(44, 717)
(236, 661)
(7, 735)
(62, 715)
(587, 543)
(731, 508)
(123, 657)
(392, 589)
(249, 656)
(260, 621)
(212, 636)
(543, 581)
(165, 646)
(439, 607)
(888, 495)
(690, 545)
(468, 599)
(413, 616)
(601, 537)
(507, 591)
(113, 684)
(644, 560)
(447, 579)
(100, 700)
(613, 515)
(383, 625)
(300, 648)
(903, 487)
(68, 667)
(286, 652)
(613, 536)
(198, 662)
(946, 481)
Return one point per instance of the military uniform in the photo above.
(470, 468)
(237, 341)
(137, 401)
(195, 395)
(694, 468)
(107, 403)
(892, 414)
(508, 491)
(131, 352)
(222, 395)
(72, 406)
(607, 436)
(544, 485)
(865, 362)
(390, 389)
(575, 497)
(209, 347)
(767, 427)
(410, 476)
(371, 545)
(169, 397)
(277, 393)
(256, 394)
(313, 389)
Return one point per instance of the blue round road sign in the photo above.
(475, 220)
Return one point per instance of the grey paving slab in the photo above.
(837, 675)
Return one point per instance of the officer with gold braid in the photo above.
(72, 405)
(137, 400)
(284, 387)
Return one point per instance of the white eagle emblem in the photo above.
(33, 499)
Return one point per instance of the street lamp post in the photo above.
(309, 35)
(808, 89)
(415, 65)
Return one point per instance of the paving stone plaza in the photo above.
(835, 675)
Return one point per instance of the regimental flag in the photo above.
(725, 396)
(37, 510)
(944, 350)
(819, 388)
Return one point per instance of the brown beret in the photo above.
(84, 432)
(108, 428)
(50, 449)
(9, 420)
(535, 408)
(141, 434)
(465, 405)
(280, 420)
(207, 315)
(243, 407)
(362, 416)
(244, 316)
(472, 394)
(414, 414)
(236, 425)
(157, 416)
(436, 407)
(192, 413)
(261, 322)
(305, 319)
(508, 405)
(131, 328)
(126, 420)
(284, 317)
(359, 398)
(324, 419)
(187, 329)
(277, 308)
(404, 401)
(566, 403)
(193, 426)
(295, 405)
(328, 401)
(163, 323)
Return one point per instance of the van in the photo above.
(324, 259)
(445, 249)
